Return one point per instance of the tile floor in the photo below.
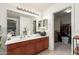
(60, 49)
(2, 51)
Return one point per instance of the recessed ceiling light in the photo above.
(18, 7)
(67, 10)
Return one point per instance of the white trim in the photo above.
(72, 24)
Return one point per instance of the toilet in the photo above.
(65, 39)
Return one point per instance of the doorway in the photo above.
(62, 31)
(34, 26)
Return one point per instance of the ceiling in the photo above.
(36, 6)
(63, 12)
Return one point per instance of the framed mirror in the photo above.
(43, 24)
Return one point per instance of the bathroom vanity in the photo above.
(27, 46)
(25, 34)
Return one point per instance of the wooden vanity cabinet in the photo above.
(29, 47)
(17, 51)
(45, 43)
(39, 46)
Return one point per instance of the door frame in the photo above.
(72, 24)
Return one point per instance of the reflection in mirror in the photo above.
(39, 24)
(34, 26)
(45, 23)
(13, 23)
(20, 25)
(11, 28)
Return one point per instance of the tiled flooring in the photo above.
(2, 51)
(60, 49)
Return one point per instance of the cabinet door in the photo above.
(16, 51)
(45, 43)
(39, 46)
(29, 49)
(12, 46)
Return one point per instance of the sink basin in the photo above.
(24, 37)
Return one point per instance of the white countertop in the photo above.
(22, 39)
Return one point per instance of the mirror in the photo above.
(34, 26)
(39, 24)
(20, 24)
(13, 26)
(43, 24)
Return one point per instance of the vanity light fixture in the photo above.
(26, 10)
